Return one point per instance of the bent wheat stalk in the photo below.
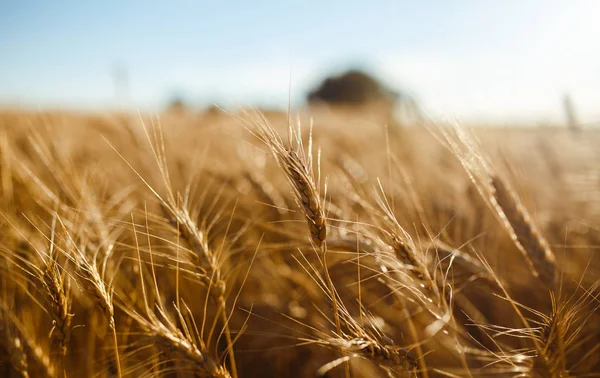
(297, 167)
(94, 286)
(172, 340)
(168, 336)
(524, 233)
(58, 288)
(504, 202)
(397, 362)
(206, 261)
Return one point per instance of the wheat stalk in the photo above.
(524, 233)
(57, 287)
(173, 341)
(365, 339)
(298, 171)
(164, 331)
(94, 286)
(506, 204)
(209, 271)
(397, 362)
(265, 191)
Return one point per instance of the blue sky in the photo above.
(509, 59)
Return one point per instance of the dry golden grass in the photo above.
(251, 245)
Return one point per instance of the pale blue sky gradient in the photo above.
(467, 58)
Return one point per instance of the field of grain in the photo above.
(328, 244)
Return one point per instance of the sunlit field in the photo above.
(320, 244)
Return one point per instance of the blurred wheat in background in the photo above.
(252, 246)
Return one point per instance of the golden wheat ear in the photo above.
(58, 288)
(208, 267)
(524, 233)
(366, 340)
(93, 283)
(53, 279)
(176, 338)
(307, 195)
(505, 204)
(297, 166)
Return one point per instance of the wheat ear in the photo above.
(57, 286)
(524, 233)
(298, 169)
(306, 193)
(506, 204)
(206, 260)
(167, 335)
(172, 340)
(95, 287)
(398, 362)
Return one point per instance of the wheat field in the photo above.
(319, 244)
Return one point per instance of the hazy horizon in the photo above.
(512, 60)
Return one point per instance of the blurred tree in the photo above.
(352, 87)
(176, 103)
(355, 87)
